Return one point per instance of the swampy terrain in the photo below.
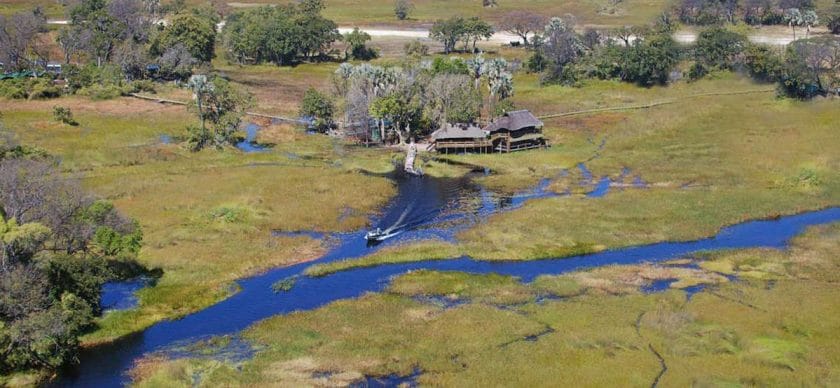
(691, 243)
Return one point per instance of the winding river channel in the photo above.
(423, 208)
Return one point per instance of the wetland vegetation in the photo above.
(711, 136)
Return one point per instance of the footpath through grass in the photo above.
(774, 327)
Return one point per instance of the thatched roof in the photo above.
(459, 131)
(514, 121)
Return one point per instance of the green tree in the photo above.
(20, 243)
(476, 29)
(449, 32)
(197, 34)
(650, 61)
(356, 47)
(763, 63)
(219, 106)
(719, 48)
(318, 107)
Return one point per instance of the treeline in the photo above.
(58, 246)
(802, 13)
(649, 56)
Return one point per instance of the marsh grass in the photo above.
(207, 217)
(409, 252)
(743, 333)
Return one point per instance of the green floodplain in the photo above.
(718, 151)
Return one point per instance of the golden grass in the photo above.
(743, 333)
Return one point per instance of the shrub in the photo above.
(697, 71)
(402, 8)
(101, 92)
(13, 89)
(537, 62)
(416, 48)
(762, 63)
(146, 86)
(41, 89)
(318, 107)
(63, 115)
(719, 48)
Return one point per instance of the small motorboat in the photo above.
(376, 235)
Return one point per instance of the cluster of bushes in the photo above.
(648, 56)
(754, 12)
(58, 246)
(29, 88)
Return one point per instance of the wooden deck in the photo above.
(496, 143)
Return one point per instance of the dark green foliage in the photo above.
(63, 115)
(356, 46)
(719, 48)
(812, 68)
(448, 32)
(281, 34)
(318, 107)
(196, 33)
(51, 277)
(458, 29)
(90, 75)
(763, 63)
(537, 62)
(31, 88)
(650, 61)
(697, 71)
(831, 18)
(82, 277)
(454, 65)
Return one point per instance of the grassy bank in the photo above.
(774, 328)
(207, 217)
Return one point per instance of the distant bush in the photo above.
(31, 88)
(402, 8)
(42, 89)
(416, 48)
(63, 115)
(101, 92)
(697, 71)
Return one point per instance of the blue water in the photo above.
(249, 144)
(165, 139)
(121, 295)
(427, 207)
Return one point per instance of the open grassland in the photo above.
(776, 327)
(207, 217)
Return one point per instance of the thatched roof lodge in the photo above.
(514, 131)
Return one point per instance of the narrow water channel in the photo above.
(423, 208)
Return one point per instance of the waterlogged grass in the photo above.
(207, 217)
(410, 252)
(708, 162)
(751, 332)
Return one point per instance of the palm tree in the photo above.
(810, 19)
(794, 18)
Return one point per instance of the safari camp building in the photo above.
(514, 131)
